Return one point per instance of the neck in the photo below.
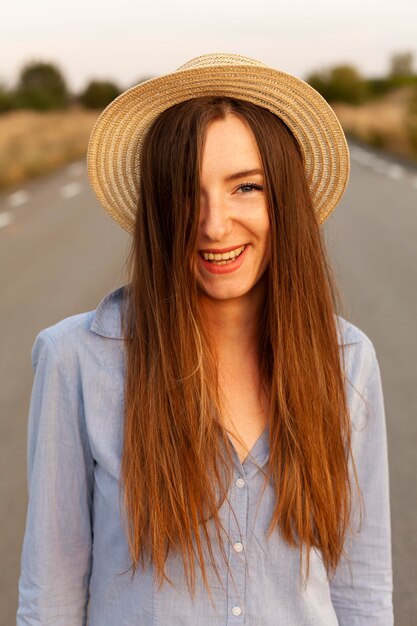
(232, 324)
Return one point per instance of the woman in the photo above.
(208, 447)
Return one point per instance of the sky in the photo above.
(126, 40)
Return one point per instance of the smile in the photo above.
(222, 258)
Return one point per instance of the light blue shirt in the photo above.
(75, 555)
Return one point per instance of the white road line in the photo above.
(76, 169)
(396, 171)
(366, 158)
(5, 219)
(379, 166)
(70, 190)
(17, 198)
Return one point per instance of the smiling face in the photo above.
(233, 239)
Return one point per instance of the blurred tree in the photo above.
(342, 83)
(401, 64)
(98, 94)
(7, 99)
(378, 87)
(41, 86)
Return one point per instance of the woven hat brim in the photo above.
(115, 143)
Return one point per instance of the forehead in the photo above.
(230, 143)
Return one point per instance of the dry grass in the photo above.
(382, 123)
(33, 143)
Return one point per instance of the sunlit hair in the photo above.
(176, 462)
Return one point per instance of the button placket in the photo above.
(237, 558)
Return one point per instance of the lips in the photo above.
(222, 256)
(225, 260)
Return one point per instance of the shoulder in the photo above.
(362, 374)
(349, 334)
(75, 337)
(357, 352)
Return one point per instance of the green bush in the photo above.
(98, 94)
(378, 87)
(7, 100)
(342, 83)
(402, 81)
(42, 87)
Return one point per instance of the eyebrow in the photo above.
(244, 173)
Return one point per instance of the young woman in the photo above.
(208, 447)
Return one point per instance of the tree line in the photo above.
(42, 86)
(344, 83)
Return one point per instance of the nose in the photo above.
(215, 220)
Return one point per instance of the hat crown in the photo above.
(219, 58)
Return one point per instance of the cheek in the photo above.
(258, 223)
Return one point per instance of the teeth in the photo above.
(224, 257)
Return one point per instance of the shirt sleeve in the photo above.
(56, 555)
(361, 588)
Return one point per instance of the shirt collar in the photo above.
(107, 320)
(257, 457)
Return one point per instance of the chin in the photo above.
(225, 294)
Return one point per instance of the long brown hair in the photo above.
(176, 462)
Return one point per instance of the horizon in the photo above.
(95, 42)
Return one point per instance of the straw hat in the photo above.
(114, 148)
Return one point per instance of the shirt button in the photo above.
(240, 483)
(238, 546)
(236, 610)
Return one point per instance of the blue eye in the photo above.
(248, 187)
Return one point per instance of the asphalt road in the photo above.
(60, 254)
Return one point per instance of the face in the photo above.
(233, 241)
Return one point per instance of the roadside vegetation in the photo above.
(43, 125)
(33, 142)
(381, 112)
